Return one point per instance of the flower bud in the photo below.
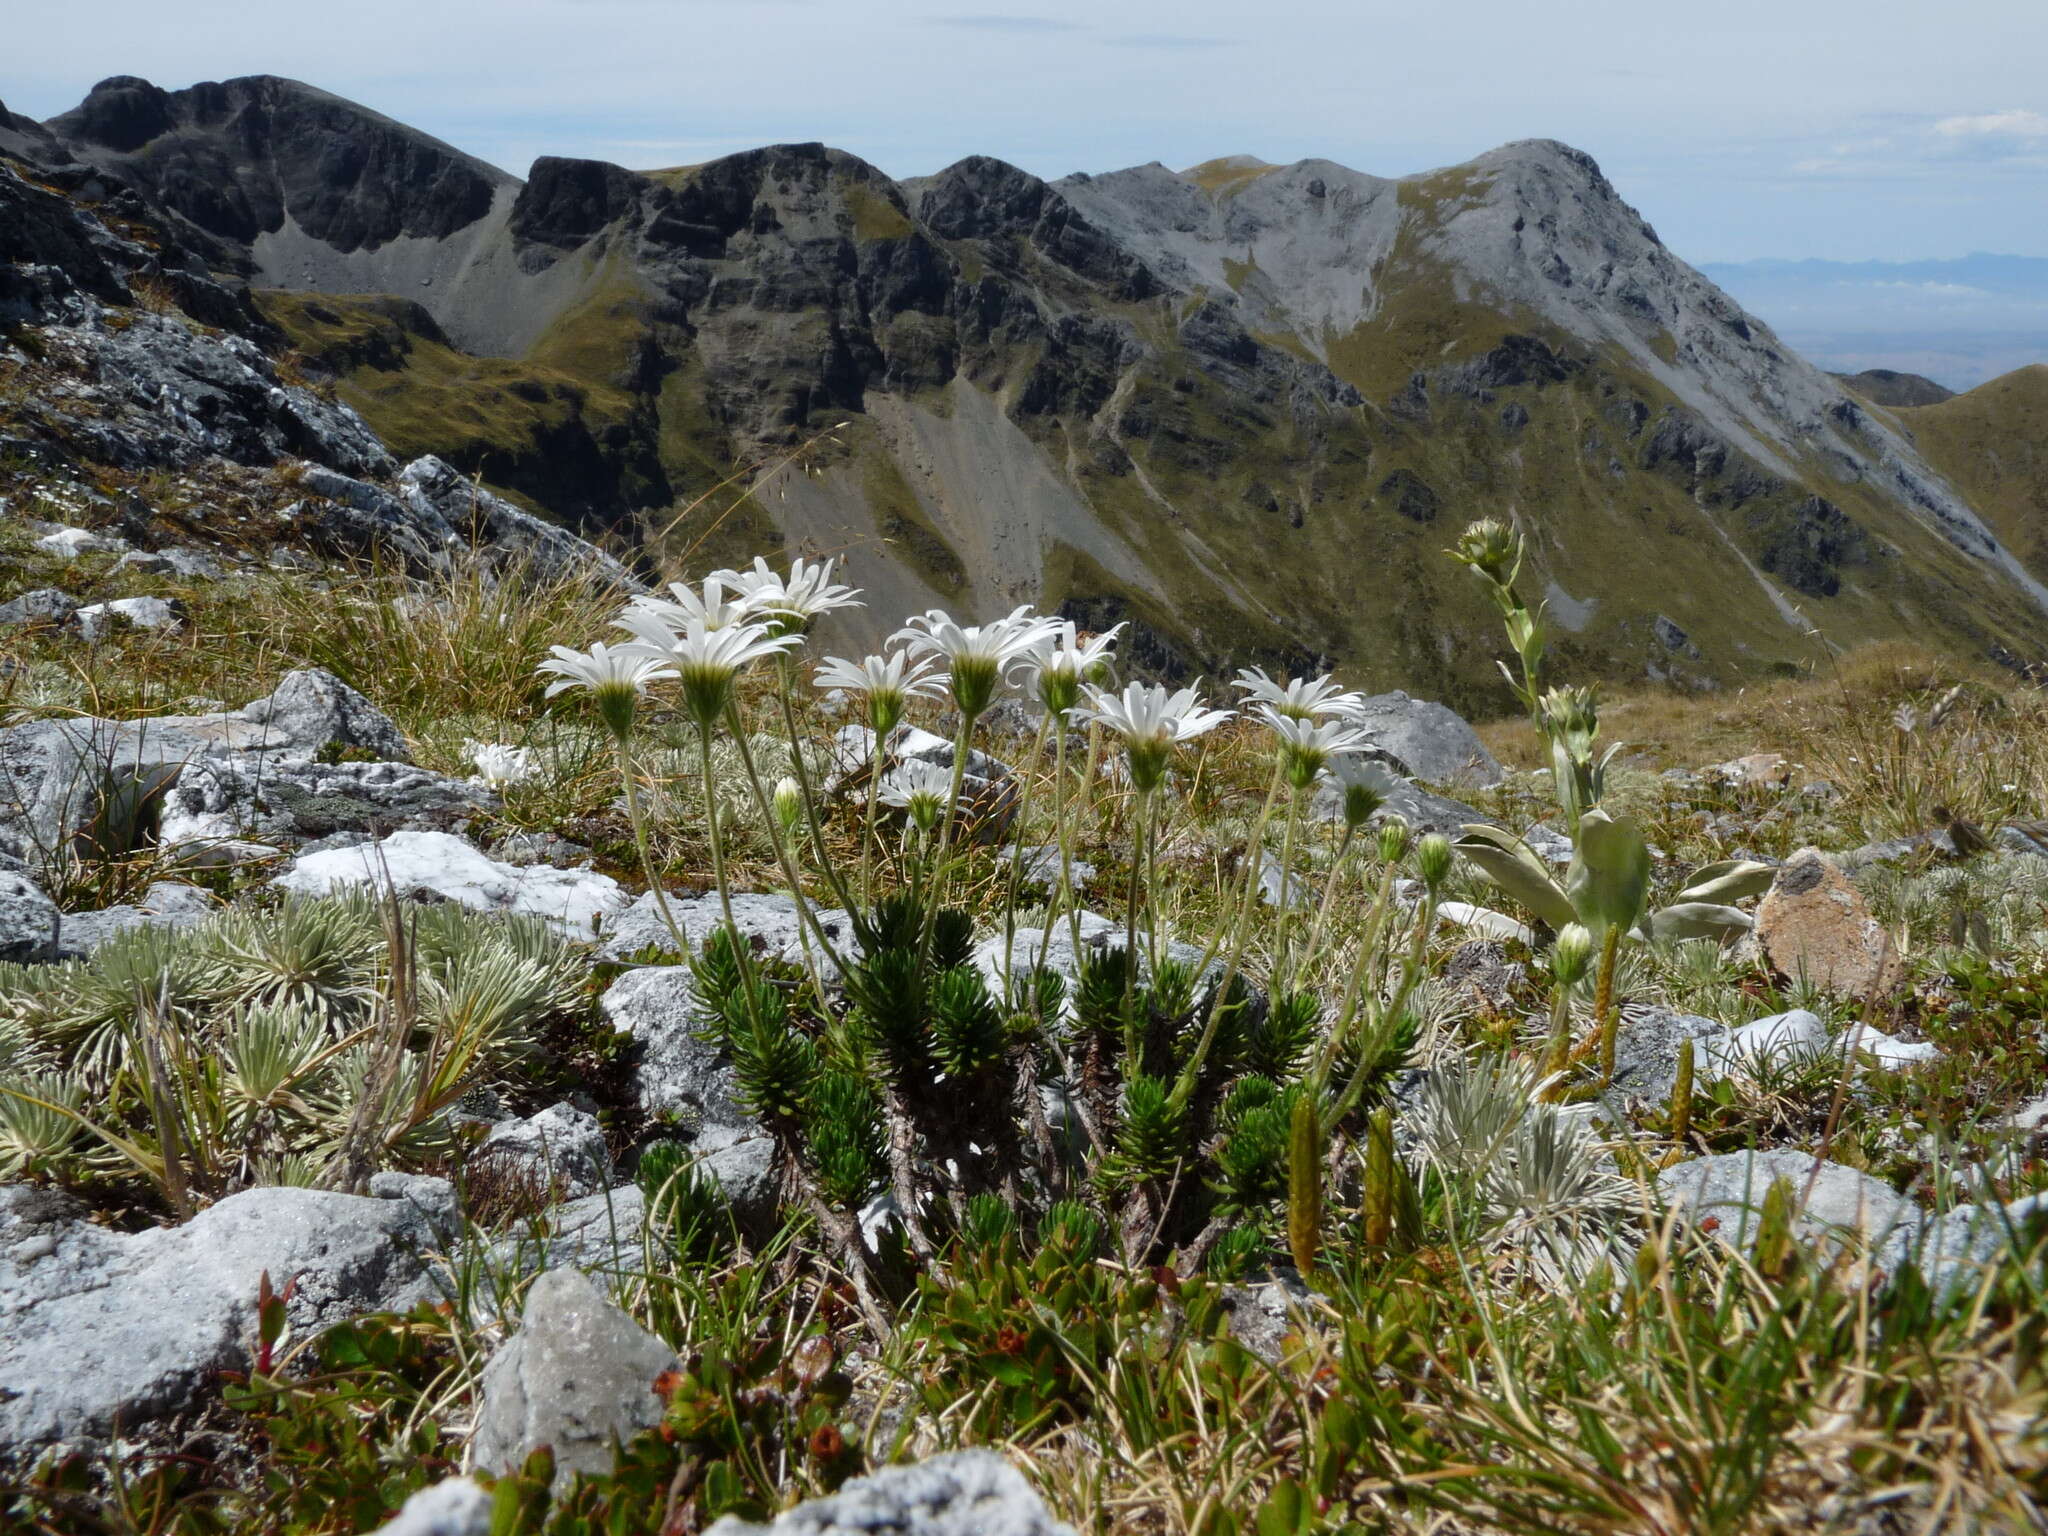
(1394, 839)
(789, 804)
(1570, 955)
(1491, 548)
(1360, 801)
(1433, 859)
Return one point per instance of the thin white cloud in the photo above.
(2017, 125)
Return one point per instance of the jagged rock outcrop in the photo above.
(1229, 406)
(99, 1327)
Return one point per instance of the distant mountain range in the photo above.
(1242, 406)
(1960, 322)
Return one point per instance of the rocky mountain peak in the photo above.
(254, 156)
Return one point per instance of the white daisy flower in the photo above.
(500, 765)
(979, 656)
(615, 675)
(707, 605)
(789, 603)
(1307, 746)
(888, 683)
(707, 660)
(1152, 720)
(919, 788)
(1065, 659)
(1300, 698)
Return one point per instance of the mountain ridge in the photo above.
(1188, 399)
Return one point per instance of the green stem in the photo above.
(1322, 918)
(717, 835)
(1020, 827)
(804, 913)
(1286, 901)
(639, 820)
(1184, 1088)
(1140, 817)
(803, 779)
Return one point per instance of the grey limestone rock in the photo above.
(220, 802)
(767, 919)
(29, 924)
(561, 1147)
(1428, 739)
(166, 904)
(962, 1493)
(578, 1376)
(455, 1506)
(60, 779)
(100, 1327)
(1842, 1205)
(679, 1076)
(97, 621)
(44, 605)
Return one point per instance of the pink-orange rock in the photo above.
(1813, 924)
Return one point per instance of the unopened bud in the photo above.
(1360, 801)
(1394, 839)
(1433, 859)
(789, 804)
(1570, 955)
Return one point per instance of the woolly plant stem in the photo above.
(1603, 1002)
(1021, 828)
(1286, 902)
(803, 780)
(805, 913)
(638, 817)
(1240, 936)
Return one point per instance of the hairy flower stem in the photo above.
(718, 877)
(1322, 917)
(1286, 897)
(1411, 973)
(806, 915)
(1061, 807)
(803, 779)
(638, 817)
(940, 870)
(1140, 825)
(1021, 827)
(1184, 1088)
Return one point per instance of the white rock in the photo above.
(1843, 1204)
(963, 1493)
(73, 542)
(455, 1506)
(1485, 922)
(575, 901)
(1783, 1039)
(98, 620)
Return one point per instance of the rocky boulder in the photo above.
(1813, 924)
(225, 810)
(29, 924)
(456, 1506)
(679, 1077)
(100, 1327)
(963, 1493)
(578, 1377)
(99, 781)
(769, 921)
(561, 1148)
(1428, 740)
(1423, 810)
(439, 866)
(1841, 1206)
(166, 904)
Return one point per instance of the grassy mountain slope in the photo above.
(1993, 443)
(1242, 407)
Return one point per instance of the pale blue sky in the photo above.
(1846, 129)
